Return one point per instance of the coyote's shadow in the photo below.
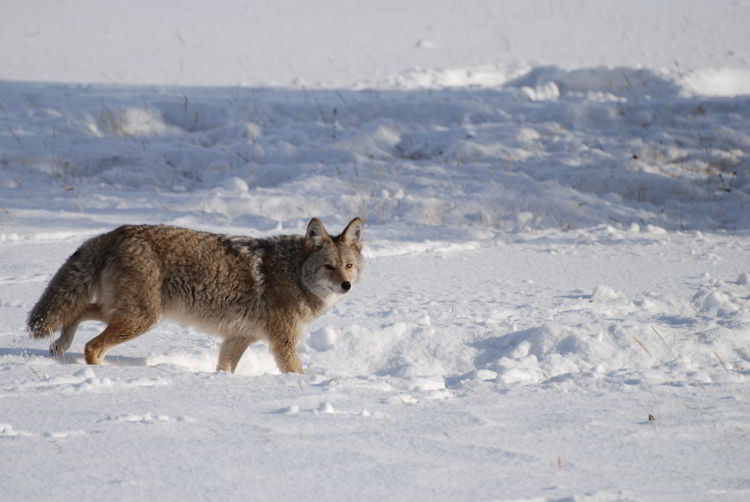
(73, 357)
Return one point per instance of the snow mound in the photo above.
(644, 338)
(603, 83)
(718, 82)
(131, 122)
(599, 84)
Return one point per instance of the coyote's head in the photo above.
(333, 263)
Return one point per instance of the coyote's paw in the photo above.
(57, 348)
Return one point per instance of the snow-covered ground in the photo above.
(556, 305)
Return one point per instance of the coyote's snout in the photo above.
(240, 288)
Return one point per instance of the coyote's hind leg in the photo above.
(118, 330)
(93, 312)
(133, 291)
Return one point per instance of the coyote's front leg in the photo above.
(284, 349)
(231, 352)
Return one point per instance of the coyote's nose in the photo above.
(346, 285)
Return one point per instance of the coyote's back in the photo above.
(240, 288)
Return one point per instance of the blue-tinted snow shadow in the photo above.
(676, 321)
(73, 357)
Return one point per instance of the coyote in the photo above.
(240, 288)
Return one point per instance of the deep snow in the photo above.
(556, 304)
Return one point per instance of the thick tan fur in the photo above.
(240, 288)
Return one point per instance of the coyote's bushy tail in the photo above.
(68, 293)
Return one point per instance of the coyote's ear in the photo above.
(316, 233)
(352, 234)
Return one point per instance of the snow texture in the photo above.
(556, 304)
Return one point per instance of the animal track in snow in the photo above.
(147, 418)
(7, 431)
(82, 381)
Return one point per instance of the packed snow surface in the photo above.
(556, 300)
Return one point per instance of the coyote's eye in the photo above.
(348, 265)
(329, 266)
